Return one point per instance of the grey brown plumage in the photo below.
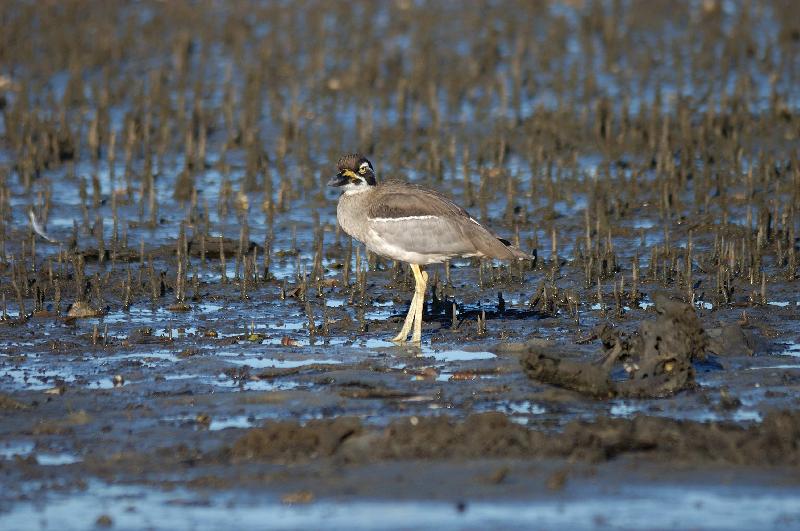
(424, 221)
(410, 223)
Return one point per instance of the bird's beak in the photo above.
(340, 179)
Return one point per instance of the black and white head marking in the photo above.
(355, 174)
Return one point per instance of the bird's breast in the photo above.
(352, 218)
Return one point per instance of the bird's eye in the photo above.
(363, 168)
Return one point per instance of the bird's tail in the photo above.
(492, 246)
(516, 253)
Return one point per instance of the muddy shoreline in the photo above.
(187, 339)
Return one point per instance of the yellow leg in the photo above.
(414, 316)
(419, 293)
(412, 311)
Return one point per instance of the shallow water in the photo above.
(628, 508)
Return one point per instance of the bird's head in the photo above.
(355, 174)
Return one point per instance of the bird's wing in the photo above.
(428, 235)
(411, 200)
(416, 220)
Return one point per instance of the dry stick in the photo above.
(114, 229)
(792, 262)
(347, 264)
(239, 254)
(254, 265)
(179, 288)
(312, 327)
(154, 287)
(57, 296)
(20, 300)
(112, 156)
(222, 268)
(634, 298)
(96, 291)
(126, 301)
(468, 197)
(357, 273)
(245, 276)
(203, 248)
(362, 284)
(101, 247)
(195, 285)
(152, 202)
(267, 257)
(78, 265)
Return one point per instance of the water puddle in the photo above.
(381, 311)
(644, 224)
(225, 382)
(150, 315)
(629, 409)
(425, 351)
(520, 412)
(238, 422)
(23, 449)
(215, 424)
(43, 379)
(456, 355)
(572, 207)
(148, 359)
(274, 363)
(781, 367)
(793, 350)
(447, 376)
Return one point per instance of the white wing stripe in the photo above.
(404, 218)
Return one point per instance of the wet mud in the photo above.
(657, 360)
(182, 321)
(493, 435)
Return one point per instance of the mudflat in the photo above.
(187, 340)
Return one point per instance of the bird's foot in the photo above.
(406, 341)
(409, 322)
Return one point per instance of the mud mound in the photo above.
(488, 434)
(773, 442)
(734, 339)
(657, 360)
(493, 435)
(289, 441)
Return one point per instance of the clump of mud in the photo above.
(288, 441)
(493, 435)
(657, 361)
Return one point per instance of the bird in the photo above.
(37, 227)
(413, 224)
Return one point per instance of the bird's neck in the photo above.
(357, 191)
(352, 212)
